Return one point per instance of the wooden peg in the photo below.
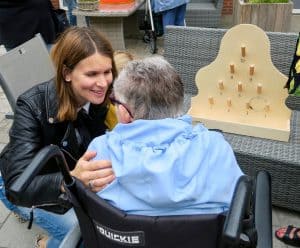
(232, 68)
(259, 89)
(240, 87)
(211, 100)
(251, 70)
(243, 50)
(229, 102)
(267, 107)
(247, 105)
(221, 85)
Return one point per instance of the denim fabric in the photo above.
(49, 46)
(56, 225)
(174, 16)
(71, 4)
(163, 5)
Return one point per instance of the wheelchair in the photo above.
(247, 223)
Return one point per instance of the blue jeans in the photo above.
(174, 16)
(56, 225)
(71, 4)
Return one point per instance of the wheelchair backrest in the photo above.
(102, 225)
(248, 223)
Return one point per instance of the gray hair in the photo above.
(151, 88)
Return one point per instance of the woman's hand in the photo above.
(55, 4)
(94, 174)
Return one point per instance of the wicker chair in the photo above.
(190, 48)
(293, 102)
(204, 13)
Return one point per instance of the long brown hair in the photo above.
(74, 45)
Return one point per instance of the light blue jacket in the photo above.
(162, 5)
(168, 167)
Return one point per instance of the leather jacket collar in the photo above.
(51, 101)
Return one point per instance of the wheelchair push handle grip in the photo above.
(38, 162)
(239, 206)
(263, 210)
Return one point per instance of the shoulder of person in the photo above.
(36, 94)
(38, 89)
(9, 3)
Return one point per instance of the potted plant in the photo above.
(88, 4)
(270, 15)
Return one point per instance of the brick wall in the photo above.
(227, 7)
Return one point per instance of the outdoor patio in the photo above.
(15, 234)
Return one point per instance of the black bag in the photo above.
(60, 19)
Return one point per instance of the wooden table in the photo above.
(109, 20)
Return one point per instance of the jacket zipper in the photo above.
(31, 212)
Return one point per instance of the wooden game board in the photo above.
(242, 91)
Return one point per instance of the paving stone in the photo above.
(14, 234)
(284, 217)
(1, 148)
(4, 213)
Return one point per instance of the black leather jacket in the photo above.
(35, 126)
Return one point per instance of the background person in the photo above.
(163, 164)
(173, 11)
(68, 111)
(71, 4)
(55, 4)
(289, 235)
(121, 59)
(21, 20)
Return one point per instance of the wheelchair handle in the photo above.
(239, 205)
(38, 162)
(263, 210)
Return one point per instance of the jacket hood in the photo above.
(168, 164)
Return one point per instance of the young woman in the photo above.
(68, 111)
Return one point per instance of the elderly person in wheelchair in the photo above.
(177, 185)
(163, 165)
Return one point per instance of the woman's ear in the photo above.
(66, 74)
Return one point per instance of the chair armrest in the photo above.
(293, 102)
(263, 210)
(38, 162)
